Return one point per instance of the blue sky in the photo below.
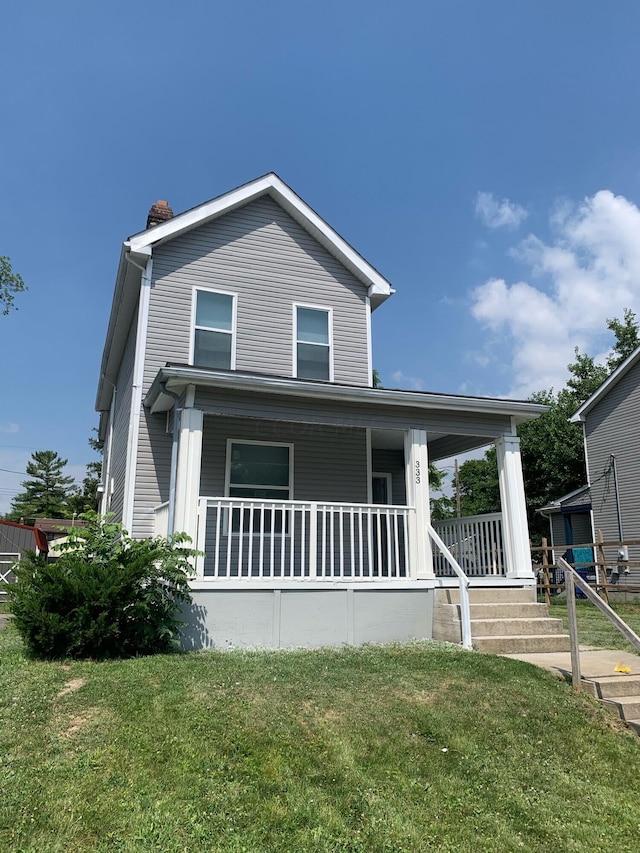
(485, 157)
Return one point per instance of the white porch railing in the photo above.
(161, 519)
(302, 540)
(476, 544)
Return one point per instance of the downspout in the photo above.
(174, 457)
(623, 550)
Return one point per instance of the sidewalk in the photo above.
(594, 663)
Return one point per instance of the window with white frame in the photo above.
(213, 343)
(259, 470)
(313, 343)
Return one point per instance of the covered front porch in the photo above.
(281, 481)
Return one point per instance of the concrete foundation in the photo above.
(288, 618)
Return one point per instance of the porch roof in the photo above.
(177, 377)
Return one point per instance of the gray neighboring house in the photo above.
(611, 423)
(569, 520)
(237, 404)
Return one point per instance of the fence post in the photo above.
(313, 540)
(545, 573)
(573, 630)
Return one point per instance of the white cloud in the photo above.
(589, 272)
(9, 428)
(414, 382)
(499, 213)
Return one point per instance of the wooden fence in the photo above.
(608, 566)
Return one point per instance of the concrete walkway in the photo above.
(594, 663)
(619, 690)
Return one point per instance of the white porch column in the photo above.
(515, 529)
(188, 473)
(417, 476)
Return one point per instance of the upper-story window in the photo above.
(313, 356)
(214, 331)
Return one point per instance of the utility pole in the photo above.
(456, 476)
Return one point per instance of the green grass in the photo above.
(410, 748)
(594, 629)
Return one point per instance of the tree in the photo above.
(86, 498)
(48, 491)
(627, 338)
(551, 447)
(10, 284)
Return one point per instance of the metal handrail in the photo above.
(465, 610)
(573, 579)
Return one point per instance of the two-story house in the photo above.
(237, 404)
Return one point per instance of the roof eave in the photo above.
(178, 377)
(609, 382)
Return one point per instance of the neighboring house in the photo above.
(237, 405)
(611, 423)
(15, 539)
(569, 521)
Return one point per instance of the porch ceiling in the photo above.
(440, 445)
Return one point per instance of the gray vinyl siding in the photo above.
(260, 253)
(392, 462)
(299, 409)
(122, 415)
(329, 463)
(153, 470)
(613, 427)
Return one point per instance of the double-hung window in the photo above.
(261, 470)
(213, 336)
(313, 356)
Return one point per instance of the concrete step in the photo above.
(611, 686)
(628, 707)
(515, 627)
(489, 595)
(511, 610)
(510, 644)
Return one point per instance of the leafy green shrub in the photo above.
(107, 596)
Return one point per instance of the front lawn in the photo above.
(412, 748)
(594, 629)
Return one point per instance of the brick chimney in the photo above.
(159, 212)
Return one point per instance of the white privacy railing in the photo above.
(303, 540)
(161, 519)
(476, 544)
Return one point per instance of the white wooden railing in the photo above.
(476, 544)
(302, 540)
(161, 519)
(463, 583)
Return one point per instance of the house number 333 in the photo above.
(417, 470)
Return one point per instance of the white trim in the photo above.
(227, 467)
(136, 398)
(196, 288)
(177, 377)
(274, 186)
(313, 307)
(369, 347)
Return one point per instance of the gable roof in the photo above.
(6, 539)
(139, 248)
(611, 380)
